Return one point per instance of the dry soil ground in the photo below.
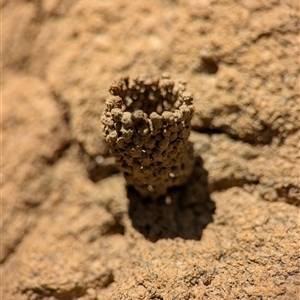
(70, 227)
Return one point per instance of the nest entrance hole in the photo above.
(148, 95)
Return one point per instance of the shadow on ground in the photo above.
(185, 212)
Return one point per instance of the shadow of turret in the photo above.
(184, 212)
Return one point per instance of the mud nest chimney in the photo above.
(147, 125)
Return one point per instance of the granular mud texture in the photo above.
(72, 231)
(147, 125)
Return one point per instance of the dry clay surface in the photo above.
(72, 230)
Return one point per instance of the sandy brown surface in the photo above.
(70, 227)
